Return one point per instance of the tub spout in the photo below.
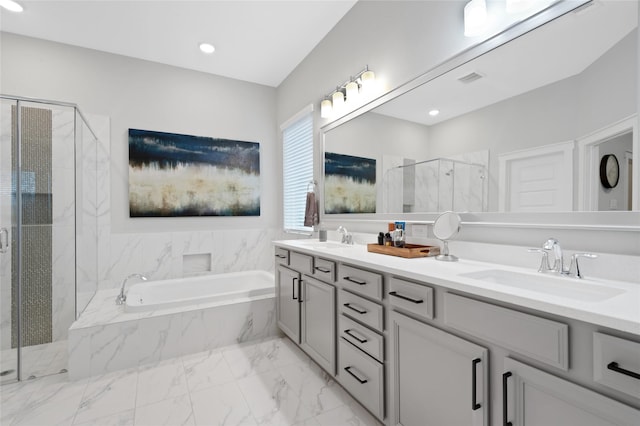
(121, 298)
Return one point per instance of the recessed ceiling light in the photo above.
(11, 5)
(207, 48)
(434, 112)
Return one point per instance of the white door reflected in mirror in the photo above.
(445, 227)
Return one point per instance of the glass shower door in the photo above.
(8, 223)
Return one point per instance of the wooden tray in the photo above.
(409, 251)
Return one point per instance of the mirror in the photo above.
(521, 128)
(445, 227)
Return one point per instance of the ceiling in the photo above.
(259, 41)
(570, 43)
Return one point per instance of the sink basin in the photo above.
(327, 245)
(566, 287)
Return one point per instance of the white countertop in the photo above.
(620, 312)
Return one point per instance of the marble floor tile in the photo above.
(163, 381)
(206, 369)
(221, 405)
(269, 383)
(171, 412)
(108, 394)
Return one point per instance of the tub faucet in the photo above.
(347, 238)
(121, 298)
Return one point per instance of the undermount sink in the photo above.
(566, 287)
(328, 245)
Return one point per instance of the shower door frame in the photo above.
(18, 207)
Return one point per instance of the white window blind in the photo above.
(297, 160)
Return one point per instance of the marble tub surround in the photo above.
(105, 338)
(267, 382)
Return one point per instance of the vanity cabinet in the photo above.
(437, 378)
(287, 302)
(318, 302)
(306, 306)
(532, 397)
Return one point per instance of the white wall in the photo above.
(130, 93)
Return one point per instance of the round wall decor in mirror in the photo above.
(609, 171)
(445, 227)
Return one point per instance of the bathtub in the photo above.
(153, 295)
(165, 319)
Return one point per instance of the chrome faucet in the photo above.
(121, 298)
(558, 262)
(553, 246)
(347, 238)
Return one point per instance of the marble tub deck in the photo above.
(107, 339)
(267, 382)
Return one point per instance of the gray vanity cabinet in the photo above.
(318, 337)
(532, 397)
(437, 379)
(287, 299)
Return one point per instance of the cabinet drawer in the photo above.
(363, 377)
(362, 282)
(365, 339)
(301, 262)
(325, 270)
(538, 338)
(362, 310)
(616, 363)
(411, 297)
(282, 256)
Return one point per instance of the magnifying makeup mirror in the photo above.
(445, 227)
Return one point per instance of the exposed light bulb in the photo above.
(11, 5)
(475, 18)
(326, 109)
(207, 48)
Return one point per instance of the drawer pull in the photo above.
(348, 370)
(614, 367)
(281, 256)
(505, 414)
(355, 308)
(351, 333)
(474, 398)
(355, 281)
(400, 296)
(323, 270)
(293, 289)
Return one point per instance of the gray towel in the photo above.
(311, 210)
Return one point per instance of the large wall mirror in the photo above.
(523, 128)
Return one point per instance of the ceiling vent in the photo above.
(471, 77)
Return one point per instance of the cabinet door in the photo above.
(437, 379)
(532, 397)
(288, 307)
(318, 322)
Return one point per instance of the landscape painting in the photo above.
(349, 184)
(173, 175)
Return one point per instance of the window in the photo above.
(297, 164)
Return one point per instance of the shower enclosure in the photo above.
(47, 231)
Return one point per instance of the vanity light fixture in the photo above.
(207, 48)
(347, 93)
(11, 5)
(475, 18)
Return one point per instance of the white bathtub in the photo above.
(154, 295)
(166, 319)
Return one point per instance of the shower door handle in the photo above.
(4, 240)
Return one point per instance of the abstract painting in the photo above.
(349, 184)
(180, 175)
